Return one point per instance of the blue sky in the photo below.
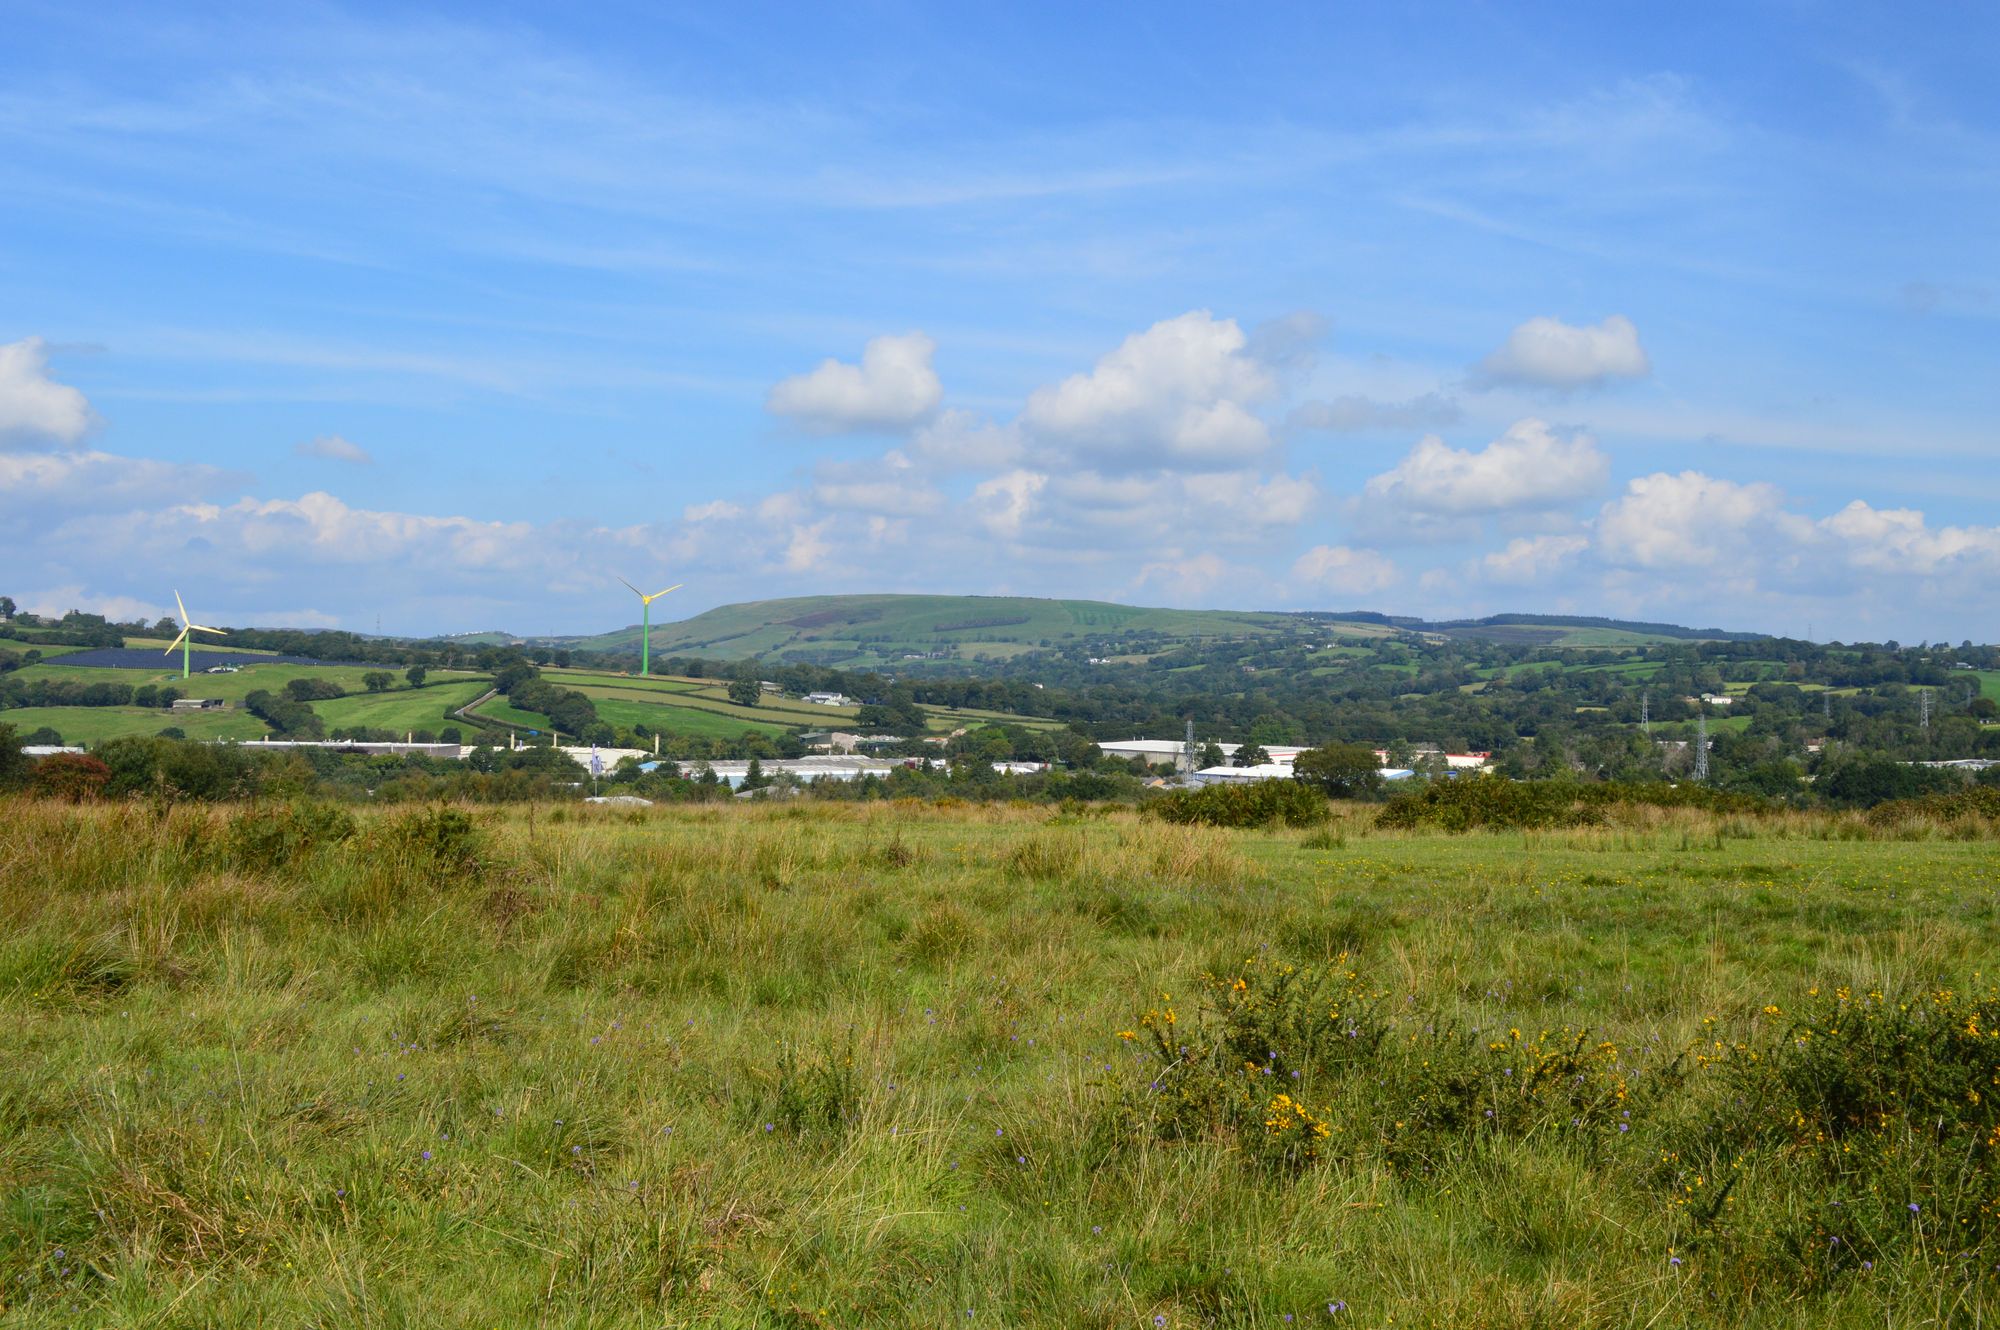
(448, 316)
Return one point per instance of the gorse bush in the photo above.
(1855, 1130)
(1973, 802)
(1261, 803)
(1790, 1150)
(269, 838)
(1258, 1054)
(1482, 802)
(1461, 805)
(815, 1095)
(439, 844)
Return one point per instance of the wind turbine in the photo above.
(185, 642)
(646, 623)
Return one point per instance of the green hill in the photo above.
(869, 629)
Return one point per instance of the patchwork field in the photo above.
(94, 725)
(908, 1065)
(402, 708)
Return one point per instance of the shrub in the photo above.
(1461, 805)
(1262, 1046)
(1879, 1109)
(1253, 804)
(75, 777)
(440, 844)
(269, 838)
(1491, 801)
(819, 1095)
(1974, 801)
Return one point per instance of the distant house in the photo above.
(198, 704)
(827, 699)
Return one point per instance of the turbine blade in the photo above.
(657, 594)
(634, 590)
(182, 608)
(176, 642)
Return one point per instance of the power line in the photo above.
(1701, 747)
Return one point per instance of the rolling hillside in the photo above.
(868, 630)
(860, 630)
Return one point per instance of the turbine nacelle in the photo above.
(645, 599)
(188, 627)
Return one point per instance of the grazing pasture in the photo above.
(901, 1064)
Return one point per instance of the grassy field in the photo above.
(402, 708)
(864, 1066)
(231, 687)
(693, 721)
(93, 725)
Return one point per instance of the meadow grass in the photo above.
(862, 1065)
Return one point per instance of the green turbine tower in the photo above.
(185, 642)
(646, 623)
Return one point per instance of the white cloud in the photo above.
(1549, 353)
(1897, 540)
(1340, 568)
(1691, 520)
(333, 448)
(1002, 504)
(960, 439)
(1353, 414)
(32, 405)
(1528, 468)
(54, 486)
(886, 497)
(715, 510)
(893, 388)
(1176, 395)
(807, 549)
(1529, 559)
(1184, 578)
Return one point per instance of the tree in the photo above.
(73, 777)
(378, 681)
(7, 608)
(1343, 771)
(1211, 755)
(13, 763)
(1252, 754)
(745, 692)
(416, 674)
(753, 775)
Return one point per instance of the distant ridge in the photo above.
(880, 629)
(1472, 627)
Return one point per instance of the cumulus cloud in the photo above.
(1529, 559)
(1351, 414)
(1898, 540)
(715, 510)
(1549, 353)
(333, 448)
(1691, 520)
(893, 388)
(33, 406)
(1528, 468)
(1343, 569)
(960, 439)
(1178, 394)
(1002, 503)
(52, 486)
(1184, 578)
